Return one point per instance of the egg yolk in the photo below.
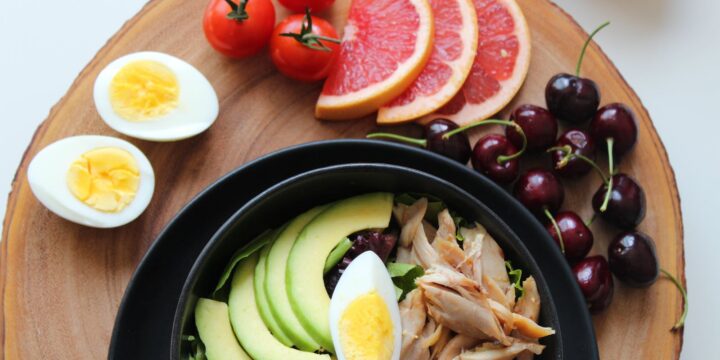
(366, 329)
(106, 179)
(144, 90)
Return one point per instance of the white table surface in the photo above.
(666, 49)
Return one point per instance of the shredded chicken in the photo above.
(446, 245)
(410, 219)
(456, 346)
(413, 315)
(465, 307)
(490, 351)
(457, 302)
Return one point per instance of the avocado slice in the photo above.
(262, 301)
(275, 288)
(213, 323)
(248, 325)
(305, 285)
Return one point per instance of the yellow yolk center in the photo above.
(144, 90)
(366, 329)
(106, 179)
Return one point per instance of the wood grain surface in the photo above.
(62, 282)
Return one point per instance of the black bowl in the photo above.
(291, 197)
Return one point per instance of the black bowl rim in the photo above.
(584, 318)
(224, 232)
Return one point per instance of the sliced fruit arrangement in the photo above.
(500, 66)
(385, 47)
(454, 48)
(355, 284)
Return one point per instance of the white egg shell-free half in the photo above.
(364, 274)
(47, 175)
(197, 108)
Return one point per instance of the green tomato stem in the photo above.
(611, 169)
(309, 39)
(681, 322)
(584, 48)
(557, 229)
(237, 11)
(405, 139)
(502, 158)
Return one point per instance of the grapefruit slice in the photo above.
(454, 46)
(385, 47)
(500, 67)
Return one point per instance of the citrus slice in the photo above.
(500, 67)
(454, 46)
(385, 47)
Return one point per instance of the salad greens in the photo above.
(515, 278)
(244, 252)
(403, 276)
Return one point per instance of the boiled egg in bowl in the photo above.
(97, 181)
(155, 96)
(364, 315)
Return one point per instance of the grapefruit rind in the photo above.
(508, 88)
(423, 105)
(363, 102)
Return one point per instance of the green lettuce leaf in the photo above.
(403, 276)
(515, 278)
(337, 254)
(244, 252)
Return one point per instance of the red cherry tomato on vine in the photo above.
(304, 50)
(239, 28)
(299, 6)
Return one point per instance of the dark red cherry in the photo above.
(485, 158)
(539, 190)
(615, 121)
(456, 147)
(571, 98)
(593, 276)
(580, 143)
(576, 236)
(633, 260)
(538, 124)
(626, 205)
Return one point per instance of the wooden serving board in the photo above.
(62, 282)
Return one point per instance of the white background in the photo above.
(668, 50)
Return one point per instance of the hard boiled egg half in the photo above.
(155, 96)
(97, 181)
(364, 315)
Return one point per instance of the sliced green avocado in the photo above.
(248, 325)
(275, 288)
(337, 254)
(262, 301)
(305, 284)
(213, 323)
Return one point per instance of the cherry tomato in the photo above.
(304, 50)
(299, 6)
(239, 28)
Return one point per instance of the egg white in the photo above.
(196, 111)
(364, 274)
(47, 175)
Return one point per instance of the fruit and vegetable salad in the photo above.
(371, 277)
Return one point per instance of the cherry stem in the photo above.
(591, 220)
(568, 155)
(681, 322)
(557, 229)
(584, 48)
(405, 139)
(237, 11)
(502, 158)
(309, 39)
(611, 169)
